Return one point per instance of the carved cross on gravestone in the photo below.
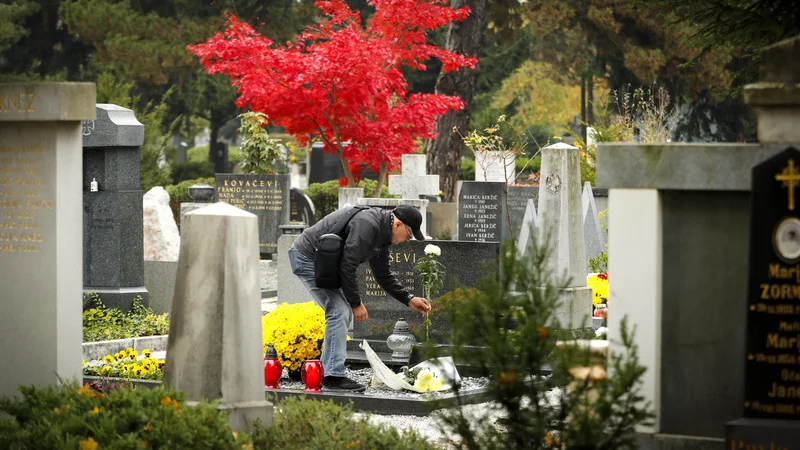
(414, 181)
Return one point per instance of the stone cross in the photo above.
(414, 181)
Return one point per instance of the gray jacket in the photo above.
(368, 236)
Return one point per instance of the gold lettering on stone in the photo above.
(20, 197)
(21, 102)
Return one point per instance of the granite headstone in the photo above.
(113, 243)
(462, 262)
(40, 232)
(518, 196)
(481, 211)
(771, 415)
(266, 196)
(301, 207)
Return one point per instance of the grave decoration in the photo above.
(431, 273)
(296, 331)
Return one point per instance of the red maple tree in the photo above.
(342, 81)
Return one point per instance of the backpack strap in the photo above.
(343, 221)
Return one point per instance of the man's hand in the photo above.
(360, 313)
(420, 304)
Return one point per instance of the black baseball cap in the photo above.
(411, 217)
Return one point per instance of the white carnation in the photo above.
(431, 249)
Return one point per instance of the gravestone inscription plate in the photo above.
(773, 320)
(481, 211)
(771, 415)
(462, 262)
(266, 196)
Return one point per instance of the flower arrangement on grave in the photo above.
(599, 284)
(431, 273)
(423, 379)
(127, 364)
(296, 331)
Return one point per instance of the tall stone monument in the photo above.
(561, 230)
(113, 262)
(40, 231)
(214, 347)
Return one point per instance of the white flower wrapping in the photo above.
(431, 249)
(437, 373)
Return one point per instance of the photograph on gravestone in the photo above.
(772, 362)
(463, 268)
(481, 211)
(301, 207)
(266, 196)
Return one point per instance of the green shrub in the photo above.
(511, 320)
(312, 424)
(102, 324)
(200, 154)
(179, 193)
(191, 170)
(72, 417)
(326, 195)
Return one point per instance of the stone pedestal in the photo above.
(214, 348)
(561, 230)
(112, 225)
(40, 231)
(392, 203)
(350, 196)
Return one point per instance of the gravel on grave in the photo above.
(364, 376)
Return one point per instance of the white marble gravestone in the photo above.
(561, 230)
(495, 166)
(413, 181)
(215, 341)
(41, 230)
(593, 234)
(528, 227)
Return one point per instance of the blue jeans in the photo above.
(338, 314)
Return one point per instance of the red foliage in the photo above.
(342, 81)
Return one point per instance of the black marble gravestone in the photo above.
(771, 414)
(266, 196)
(113, 242)
(301, 207)
(463, 263)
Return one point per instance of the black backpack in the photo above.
(329, 252)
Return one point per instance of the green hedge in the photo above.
(326, 195)
(107, 415)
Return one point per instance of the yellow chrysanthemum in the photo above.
(599, 284)
(296, 331)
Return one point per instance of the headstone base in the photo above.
(767, 434)
(574, 307)
(242, 415)
(120, 298)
